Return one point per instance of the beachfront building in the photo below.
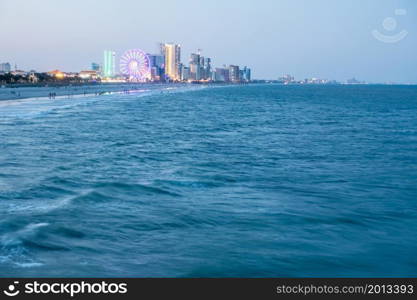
(57, 74)
(95, 67)
(221, 74)
(185, 73)
(172, 53)
(195, 69)
(93, 75)
(157, 63)
(19, 73)
(207, 69)
(156, 60)
(234, 73)
(202, 70)
(246, 74)
(109, 65)
(5, 67)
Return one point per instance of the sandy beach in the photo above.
(59, 92)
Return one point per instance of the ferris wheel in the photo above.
(136, 64)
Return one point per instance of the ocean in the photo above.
(257, 180)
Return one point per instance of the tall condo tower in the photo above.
(172, 61)
(109, 65)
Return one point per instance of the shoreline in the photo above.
(42, 92)
(70, 91)
(73, 96)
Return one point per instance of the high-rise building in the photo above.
(195, 67)
(234, 73)
(202, 70)
(109, 65)
(246, 76)
(202, 60)
(222, 74)
(155, 74)
(157, 63)
(5, 67)
(156, 60)
(207, 68)
(195, 58)
(95, 67)
(185, 74)
(172, 53)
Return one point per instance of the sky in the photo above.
(321, 38)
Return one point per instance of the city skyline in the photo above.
(320, 39)
(136, 65)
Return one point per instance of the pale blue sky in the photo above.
(321, 38)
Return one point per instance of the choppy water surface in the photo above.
(260, 180)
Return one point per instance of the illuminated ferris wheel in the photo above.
(135, 64)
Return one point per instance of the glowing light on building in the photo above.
(60, 75)
(88, 74)
(172, 54)
(109, 65)
(136, 64)
(57, 74)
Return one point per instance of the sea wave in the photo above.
(255, 178)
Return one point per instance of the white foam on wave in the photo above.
(14, 238)
(12, 249)
(41, 206)
(19, 258)
(28, 264)
(32, 107)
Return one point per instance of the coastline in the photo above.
(68, 91)
(43, 92)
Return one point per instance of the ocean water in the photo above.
(195, 181)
